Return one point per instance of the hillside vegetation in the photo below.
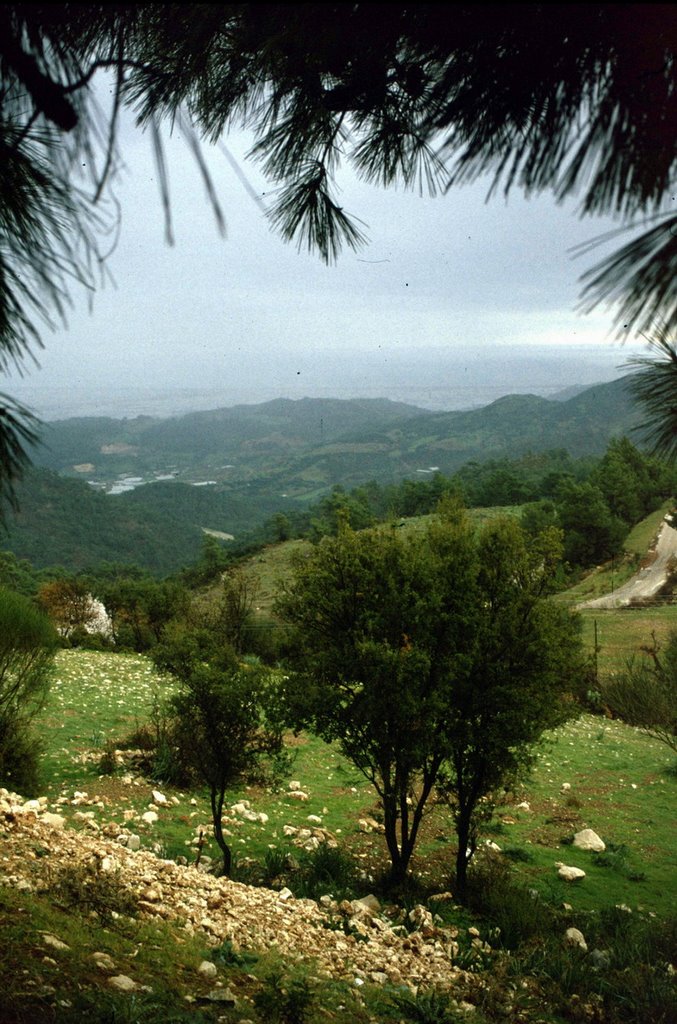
(301, 445)
(417, 955)
(266, 472)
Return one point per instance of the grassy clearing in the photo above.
(621, 632)
(269, 568)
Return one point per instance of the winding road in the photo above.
(649, 580)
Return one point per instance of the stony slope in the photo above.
(219, 909)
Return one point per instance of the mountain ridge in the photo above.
(276, 457)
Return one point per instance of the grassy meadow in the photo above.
(592, 773)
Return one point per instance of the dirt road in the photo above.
(649, 580)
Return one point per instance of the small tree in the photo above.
(431, 659)
(645, 694)
(27, 645)
(525, 671)
(69, 605)
(374, 621)
(231, 614)
(141, 608)
(223, 719)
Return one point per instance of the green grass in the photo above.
(619, 778)
(622, 631)
(621, 787)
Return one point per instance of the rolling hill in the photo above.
(255, 460)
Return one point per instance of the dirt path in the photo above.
(649, 580)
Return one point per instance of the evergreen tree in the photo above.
(433, 660)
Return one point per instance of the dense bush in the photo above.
(28, 643)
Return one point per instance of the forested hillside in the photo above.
(270, 470)
(302, 446)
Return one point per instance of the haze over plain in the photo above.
(453, 302)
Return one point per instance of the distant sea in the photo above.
(435, 379)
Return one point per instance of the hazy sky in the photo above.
(248, 316)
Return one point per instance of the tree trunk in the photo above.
(463, 835)
(217, 808)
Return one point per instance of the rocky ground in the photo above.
(352, 940)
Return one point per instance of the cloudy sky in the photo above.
(451, 294)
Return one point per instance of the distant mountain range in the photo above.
(253, 460)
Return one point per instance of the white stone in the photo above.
(207, 969)
(53, 820)
(314, 819)
(294, 784)
(122, 983)
(298, 794)
(103, 961)
(570, 874)
(285, 894)
(158, 797)
(370, 903)
(133, 842)
(574, 937)
(150, 817)
(52, 941)
(421, 917)
(589, 840)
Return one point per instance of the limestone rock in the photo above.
(568, 873)
(589, 840)
(53, 820)
(207, 969)
(600, 959)
(52, 941)
(220, 995)
(150, 817)
(369, 903)
(103, 961)
(574, 937)
(122, 983)
(158, 797)
(421, 918)
(215, 910)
